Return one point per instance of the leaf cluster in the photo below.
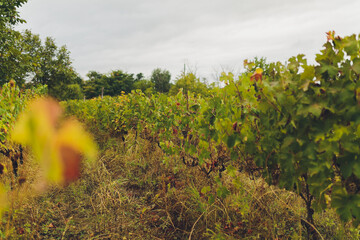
(295, 124)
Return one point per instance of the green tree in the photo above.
(9, 13)
(9, 53)
(27, 58)
(146, 86)
(52, 66)
(139, 77)
(161, 80)
(189, 82)
(109, 84)
(92, 87)
(13, 63)
(72, 91)
(117, 82)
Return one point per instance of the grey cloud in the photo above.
(140, 35)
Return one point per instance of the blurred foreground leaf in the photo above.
(58, 146)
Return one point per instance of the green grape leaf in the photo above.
(231, 140)
(222, 192)
(356, 65)
(351, 45)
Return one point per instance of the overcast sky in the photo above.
(208, 35)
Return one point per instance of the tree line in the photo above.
(31, 61)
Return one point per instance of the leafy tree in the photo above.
(9, 54)
(26, 58)
(191, 83)
(161, 80)
(110, 84)
(92, 87)
(139, 77)
(13, 63)
(145, 86)
(9, 13)
(52, 67)
(72, 91)
(117, 82)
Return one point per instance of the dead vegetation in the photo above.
(137, 192)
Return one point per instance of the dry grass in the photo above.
(135, 192)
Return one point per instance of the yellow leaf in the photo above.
(327, 199)
(73, 134)
(259, 71)
(330, 35)
(36, 125)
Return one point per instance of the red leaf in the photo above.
(21, 231)
(330, 35)
(71, 161)
(51, 225)
(256, 76)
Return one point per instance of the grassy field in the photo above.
(134, 191)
